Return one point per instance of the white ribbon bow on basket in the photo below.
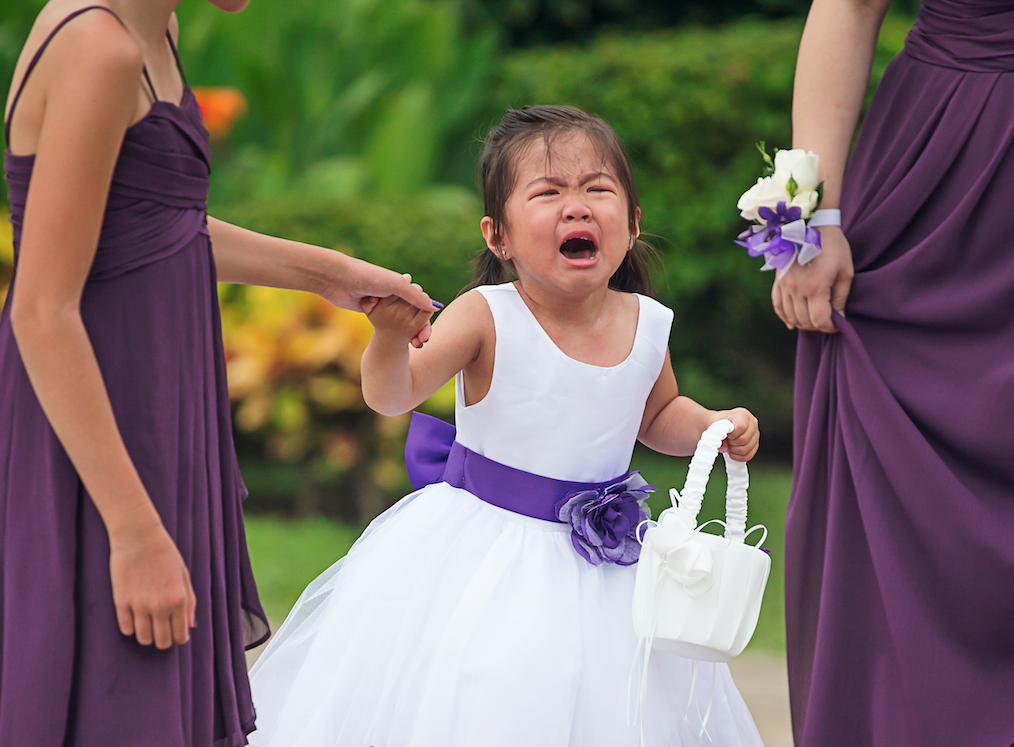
(698, 595)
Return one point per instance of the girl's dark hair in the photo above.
(497, 173)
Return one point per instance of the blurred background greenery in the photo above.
(355, 124)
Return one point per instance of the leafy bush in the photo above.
(689, 104)
(345, 98)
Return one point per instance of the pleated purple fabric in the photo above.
(900, 535)
(69, 678)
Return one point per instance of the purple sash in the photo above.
(432, 455)
(603, 516)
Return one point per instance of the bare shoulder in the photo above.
(467, 322)
(174, 28)
(96, 42)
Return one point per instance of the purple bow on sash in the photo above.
(432, 455)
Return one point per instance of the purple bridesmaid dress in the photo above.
(900, 537)
(68, 678)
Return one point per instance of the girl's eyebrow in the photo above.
(557, 181)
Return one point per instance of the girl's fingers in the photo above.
(368, 304)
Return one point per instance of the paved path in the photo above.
(761, 679)
(764, 684)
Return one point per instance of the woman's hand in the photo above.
(804, 296)
(744, 440)
(151, 587)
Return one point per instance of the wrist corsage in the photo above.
(779, 205)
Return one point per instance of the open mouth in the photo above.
(578, 248)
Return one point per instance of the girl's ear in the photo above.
(486, 224)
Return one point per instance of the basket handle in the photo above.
(697, 481)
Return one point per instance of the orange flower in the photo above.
(220, 107)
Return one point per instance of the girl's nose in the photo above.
(576, 210)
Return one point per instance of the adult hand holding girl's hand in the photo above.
(744, 440)
(397, 322)
(151, 586)
(361, 285)
(805, 295)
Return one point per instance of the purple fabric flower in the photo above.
(781, 237)
(603, 521)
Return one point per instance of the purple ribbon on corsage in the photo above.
(603, 521)
(603, 516)
(782, 238)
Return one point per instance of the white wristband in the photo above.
(826, 217)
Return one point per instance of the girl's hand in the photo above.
(151, 587)
(804, 296)
(744, 440)
(398, 323)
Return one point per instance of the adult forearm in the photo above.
(832, 75)
(65, 375)
(250, 258)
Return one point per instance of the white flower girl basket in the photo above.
(697, 594)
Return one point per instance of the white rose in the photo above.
(807, 201)
(765, 193)
(799, 164)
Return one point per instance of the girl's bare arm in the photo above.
(90, 75)
(397, 378)
(673, 424)
(832, 74)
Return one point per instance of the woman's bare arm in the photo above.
(90, 75)
(251, 258)
(832, 75)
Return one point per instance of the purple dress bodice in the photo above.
(973, 35)
(158, 196)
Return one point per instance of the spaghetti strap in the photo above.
(38, 55)
(144, 69)
(179, 65)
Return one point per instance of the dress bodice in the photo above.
(158, 195)
(973, 35)
(552, 415)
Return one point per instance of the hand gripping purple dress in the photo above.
(900, 543)
(68, 677)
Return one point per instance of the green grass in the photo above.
(287, 554)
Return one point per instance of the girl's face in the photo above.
(567, 218)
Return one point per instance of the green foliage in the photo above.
(345, 97)
(690, 104)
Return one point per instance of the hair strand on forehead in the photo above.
(507, 144)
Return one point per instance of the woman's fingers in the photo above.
(125, 618)
(778, 301)
(143, 628)
(180, 628)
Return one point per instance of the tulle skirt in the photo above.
(452, 623)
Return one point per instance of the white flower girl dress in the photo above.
(453, 622)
